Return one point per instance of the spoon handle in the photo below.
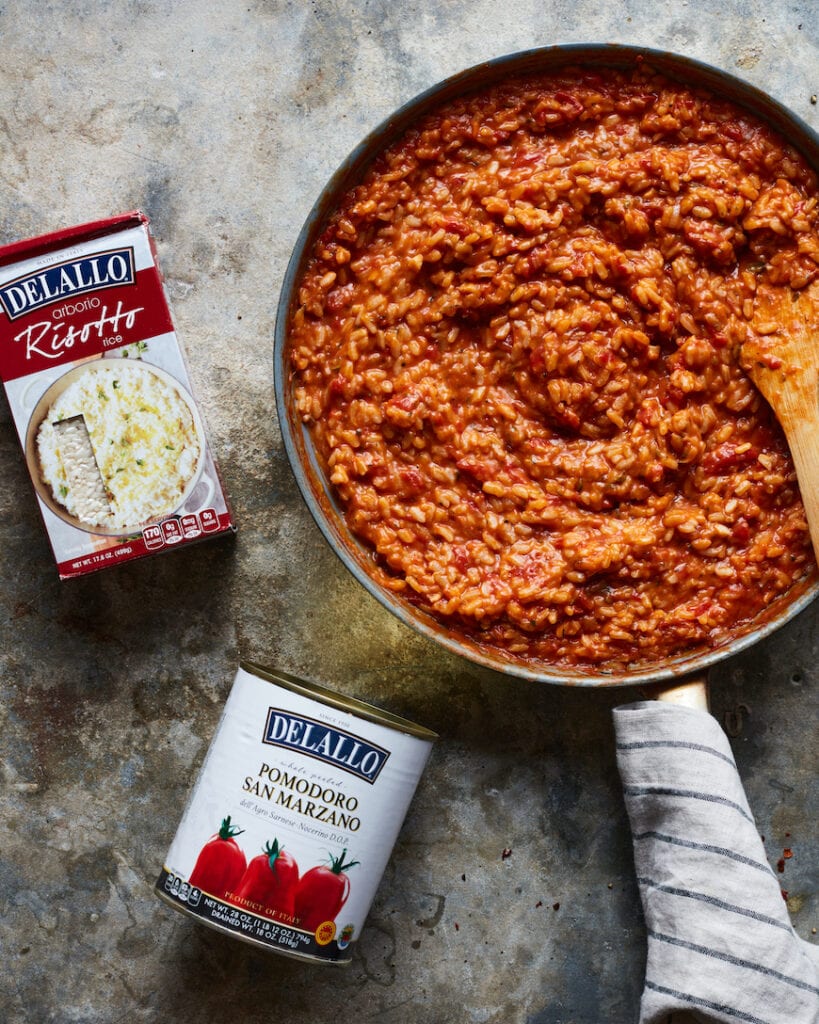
(803, 438)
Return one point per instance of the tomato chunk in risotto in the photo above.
(517, 349)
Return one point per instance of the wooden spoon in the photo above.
(782, 358)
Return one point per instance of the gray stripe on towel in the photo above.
(689, 794)
(714, 901)
(719, 851)
(706, 1004)
(736, 961)
(681, 744)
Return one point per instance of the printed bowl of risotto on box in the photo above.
(99, 391)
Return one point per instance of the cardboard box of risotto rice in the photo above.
(99, 392)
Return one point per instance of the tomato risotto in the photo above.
(517, 350)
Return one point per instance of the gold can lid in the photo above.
(337, 700)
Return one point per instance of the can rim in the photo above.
(341, 701)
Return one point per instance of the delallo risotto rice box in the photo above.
(100, 394)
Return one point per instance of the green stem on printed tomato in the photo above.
(337, 864)
(228, 831)
(273, 851)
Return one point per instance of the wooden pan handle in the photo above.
(690, 693)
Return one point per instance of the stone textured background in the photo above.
(223, 122)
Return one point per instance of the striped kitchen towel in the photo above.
(720, 943)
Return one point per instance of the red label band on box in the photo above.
(100, 394)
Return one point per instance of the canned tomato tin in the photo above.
(294, 815)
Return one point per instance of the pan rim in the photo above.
(318, 499)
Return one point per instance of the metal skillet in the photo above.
(681, 678)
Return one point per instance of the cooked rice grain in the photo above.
(516, 348)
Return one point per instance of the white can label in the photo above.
(292, 820)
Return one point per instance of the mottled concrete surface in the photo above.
(223, 121)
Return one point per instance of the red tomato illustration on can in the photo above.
(268, 886)
(221, 862)
(322, 892)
